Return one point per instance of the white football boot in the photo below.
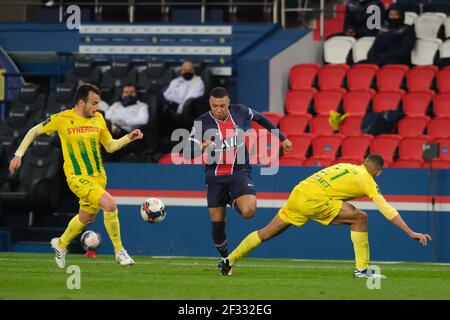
(124, 258)
(60, 254)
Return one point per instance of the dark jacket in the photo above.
(393, 45)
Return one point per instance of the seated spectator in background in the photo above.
(356, 16)
(128, 113)
(183, 88)
(395, 41)
(123, 117)
(180, 110)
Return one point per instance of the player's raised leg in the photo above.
(112, 225)
(358, 220)
(254, 239)
(74, 229)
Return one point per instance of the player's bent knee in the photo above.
(87, 219)
(363, 218)
(248, 211)
(110, 205)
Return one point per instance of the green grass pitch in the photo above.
(35, 276)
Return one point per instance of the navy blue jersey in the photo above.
(229, 155)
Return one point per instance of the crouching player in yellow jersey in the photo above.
(81, 130)
(322, 197)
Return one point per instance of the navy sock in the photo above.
(220, 238)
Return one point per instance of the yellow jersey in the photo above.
(342, 181)
(80, 141)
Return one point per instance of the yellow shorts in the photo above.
(303, 206)
(89, 189)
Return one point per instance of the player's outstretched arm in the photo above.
(392, 215)
(112, 145)
(286, 144)
(421, 237)
(31, 135)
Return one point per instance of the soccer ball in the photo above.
(153, 210)
(90, 240)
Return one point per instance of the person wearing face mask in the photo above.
(183, 88)
(178, 113)
(356, 16)
(395, 41)
(128, 113)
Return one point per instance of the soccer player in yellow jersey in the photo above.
(322, 197)
(81, 130)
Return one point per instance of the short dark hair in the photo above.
(219, 92)
(376, 159)
(83, 90)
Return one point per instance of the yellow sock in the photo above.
(74, 228)
(244, 248)
(361, 246)
(112, 225)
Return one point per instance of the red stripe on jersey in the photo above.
(226, 162)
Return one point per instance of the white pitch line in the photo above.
(245, 265)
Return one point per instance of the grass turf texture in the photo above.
(36, 276)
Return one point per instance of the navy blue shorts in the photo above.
(218, 187)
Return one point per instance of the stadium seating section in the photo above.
(420, 92)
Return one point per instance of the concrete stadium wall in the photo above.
(306, 50)
(186, 230)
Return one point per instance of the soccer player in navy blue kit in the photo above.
(227, 181)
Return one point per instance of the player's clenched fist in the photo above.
(136, 134)
(286, 145)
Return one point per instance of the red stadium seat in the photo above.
(351, 126)
(411, 163)
(385, 145)
(440, 164)
(391, 77)
(302, 76)
(326, 147)
(319, 125)
(442, 80)
(332, 76)
(439, 127)
(300, 146)
(441, 105)
(361, 77)
(291, 162)
(355, 147)
(412, 126)
(388, 100)
(327, 100)
(294, 124)
(299, 101)
(317, 162)
(421, 78)
(411, 148)
(356, 103)
(417, 103)
(444, 148)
